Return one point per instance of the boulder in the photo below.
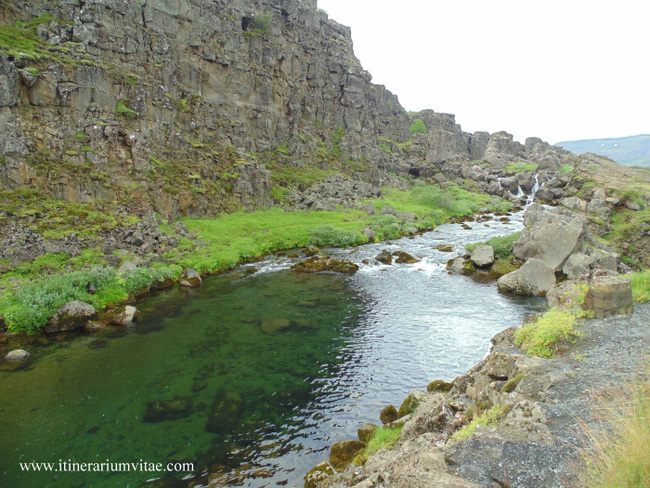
(439, 386)
(366, 432)
(456, 265)
(342, 453)
(388, 415)
(552, 238)
(533, 278)
(318, 474)
(411, 402)
(71, 315)
(445, 248)
(385, 257)
(126, 267)
(121, 316)
(402, 257)
(577, 264)
(17, 355)
(483, 256)
(609, 295)
(190, 278)
(388, 210)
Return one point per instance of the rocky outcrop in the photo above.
(538, 406)
(609, 295)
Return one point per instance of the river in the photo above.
(205, 378)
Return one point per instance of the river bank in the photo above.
(546, 410)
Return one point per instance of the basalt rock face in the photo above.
(138, 88)
(193, 107)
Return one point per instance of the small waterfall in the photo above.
(520, 192)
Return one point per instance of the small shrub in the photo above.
(541, 336)
(418, 127)
(641, 286)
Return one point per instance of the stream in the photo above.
(251, 377)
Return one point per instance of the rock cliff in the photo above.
(192, 107)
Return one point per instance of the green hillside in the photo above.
(630, 151)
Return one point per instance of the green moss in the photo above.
(124, 112)
(565, 169)
(511, 384)
(489, 417)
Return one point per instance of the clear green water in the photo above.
(198, 380)
(243, 395)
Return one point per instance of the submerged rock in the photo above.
(322, 262)
(190, 278)
(17, 355)
(71, 315)
(225, 411)
(445, 248)
(270, 326)
(160, 410)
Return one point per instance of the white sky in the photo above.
(555, 69)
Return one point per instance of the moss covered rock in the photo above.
(388, 415)
(342, 453)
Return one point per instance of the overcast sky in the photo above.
(559, 70)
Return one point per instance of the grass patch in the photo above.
(488, 417)
(641, 286)
(565, 169)
(418, 127)
(34, 303)
(326, 235)
(502, 244)
(620, 454)
(542, 335)
(240, 236)
(520, 167)
(383, 438)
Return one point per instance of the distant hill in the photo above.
(630, 151)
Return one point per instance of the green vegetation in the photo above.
(502, 244)
(418, 127)
(122, 111)
(620, 452)
(243, 236)
(326, 235)
(641, 286)
(34, 303)
(511, 384)
(520, 167)
(541, 336)
(262, 26)
(488, 417)
(54, 219)
(565, 169)
(383, 438)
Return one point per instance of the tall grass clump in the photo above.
(34, 303)
(641, 286)
(542, 335)
(383, 438)
(620, 451)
